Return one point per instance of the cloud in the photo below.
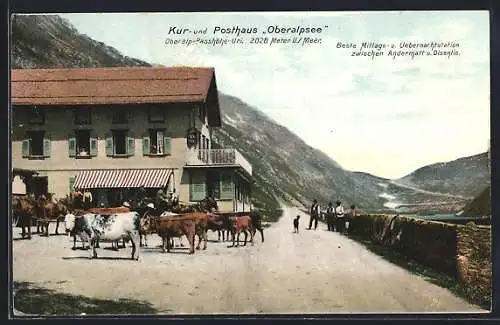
(418, 110)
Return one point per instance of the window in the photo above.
(82, 144)
(156, 114)
(120, 143)
(156, 143)
(36, 145)
(213, 184)
(197, 186)
(120, 116)
(226, 181)
(36, 116)
(82, 116)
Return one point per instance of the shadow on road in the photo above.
(31, 300)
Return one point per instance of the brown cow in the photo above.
(49, 211)
(242, 224)
(168, 227)
(219, 223)
(201, 226)
(23, 211)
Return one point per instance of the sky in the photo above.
(383, 115)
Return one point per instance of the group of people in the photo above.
(336, 217)
(164, 199)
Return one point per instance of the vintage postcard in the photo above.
(250, 163)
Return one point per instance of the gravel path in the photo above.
(310, 272)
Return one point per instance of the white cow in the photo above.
(95, 227)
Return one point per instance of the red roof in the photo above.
(124, 85)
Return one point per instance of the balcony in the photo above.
(218, 157)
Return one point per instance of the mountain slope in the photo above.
(480, 205)
(291, 168)
(466, 176)
(52, 42)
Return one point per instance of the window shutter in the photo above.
(47, 146)
(167, 142)
(197, 187)
(109, 145)
(26, 148)
(93, 145)
(71, 146)
(71, 184)
(226, 186)
(145, 144)
(130, 145)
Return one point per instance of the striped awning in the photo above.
(119, 178)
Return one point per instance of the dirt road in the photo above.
(310, 272)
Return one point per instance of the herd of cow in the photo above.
(114, 224)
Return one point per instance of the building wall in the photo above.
(18, 186)
(59, 126)
(203, 127)
(225, 205)
(240, 199)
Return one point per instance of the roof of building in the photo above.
(124, 85)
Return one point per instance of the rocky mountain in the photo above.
(290, 169)
(480, 205)
(466, 176)
(285, 167)
(52, 42)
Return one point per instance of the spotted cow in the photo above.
(95, 227)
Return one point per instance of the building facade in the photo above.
(113, 130)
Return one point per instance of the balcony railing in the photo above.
(206, 157)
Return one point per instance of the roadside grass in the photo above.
(470, 294)
(33, 300)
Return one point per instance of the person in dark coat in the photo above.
(140, 196)
(314, 212)
(330, 217)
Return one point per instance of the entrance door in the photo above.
(40, 185)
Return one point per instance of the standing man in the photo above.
(161, 200)
(141, 195)
(314, 212)
(339, 214)
(174, 199)
(330, 217)
(87, 199)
